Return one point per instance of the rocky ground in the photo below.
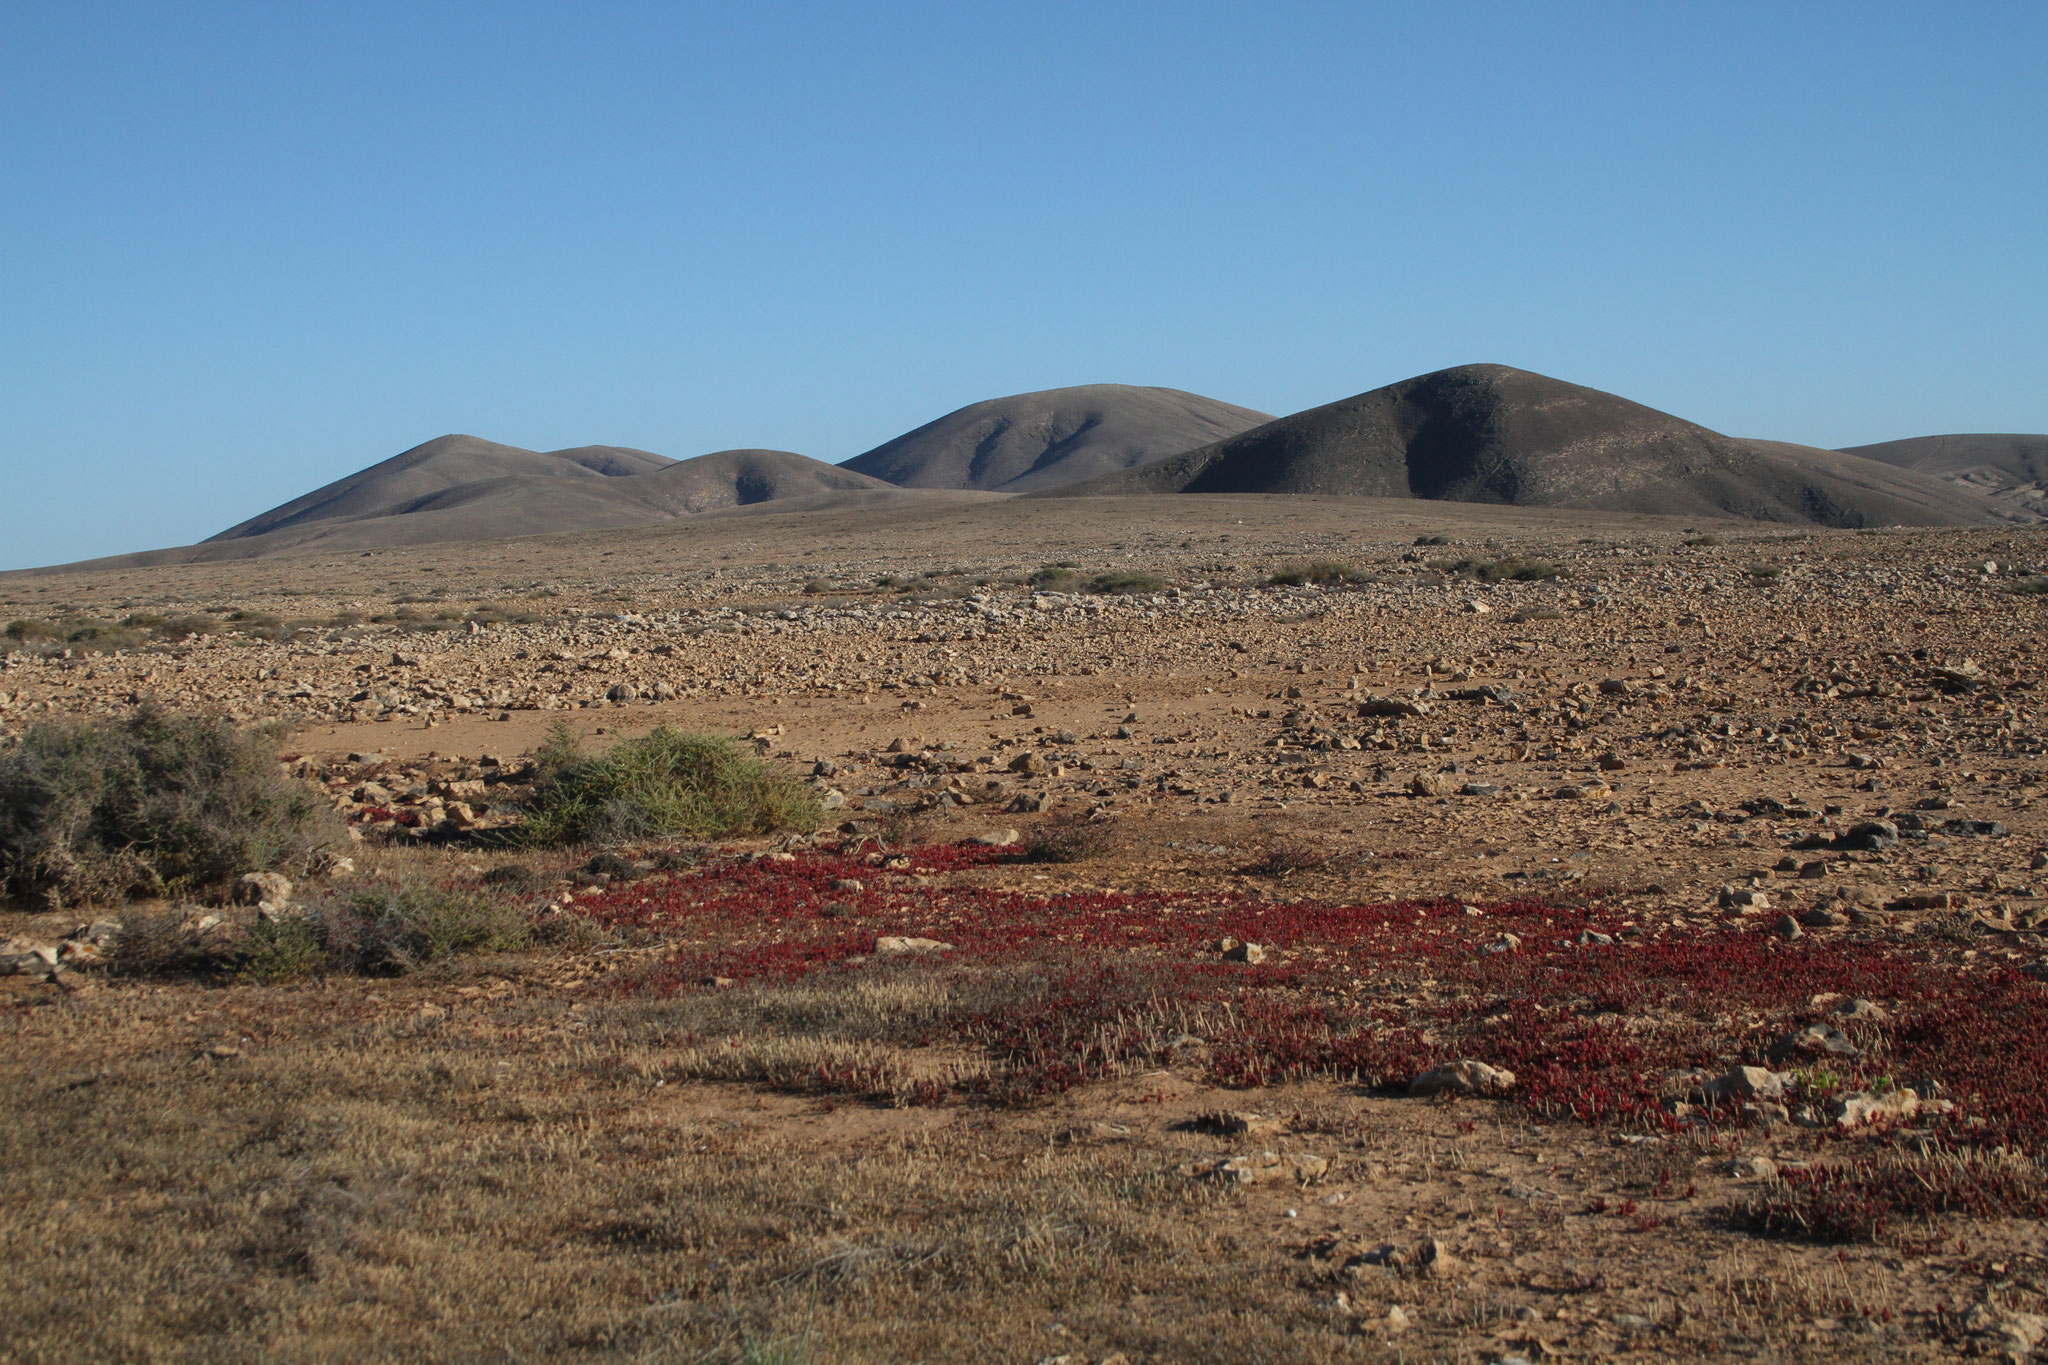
(1695, 730)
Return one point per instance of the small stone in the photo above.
(1815, 1040)
(1001, 838)
(621, 692)
(1787, 927)
(1463, 1077)
(1433, 1259)
(890, 943)
(1857, 1108)
(1869, 836)
(1263, 1168)
(1744, 898)
(253, 888)
(1753, 1167)
(1745, 1083)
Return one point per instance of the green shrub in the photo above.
(101, 637)
(1054, 578)
(1325, 572)
(156, 804)
(1125, 584)
(282, 950)
(386, 931)
(665, 782)
(1512, 568)
(32, 632)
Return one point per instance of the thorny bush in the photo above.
(155, 804)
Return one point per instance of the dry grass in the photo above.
(498, 1157)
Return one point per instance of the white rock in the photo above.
(890, 943)
(253, 888)
(1463, 1077)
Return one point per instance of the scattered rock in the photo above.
(1463, 1077)
(254, 888)
(1813, 1041)
(1745, 1083)
(890, 943)
(1264, 1168)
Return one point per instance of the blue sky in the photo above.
(247, 249)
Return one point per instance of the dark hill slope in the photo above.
(1488, 433)
(1032, 441)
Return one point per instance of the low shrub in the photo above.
(1054, 578)
(1878, 1199)
(1125, 584)
(387, 931)
(282, 950)
(1068, 839)
(666, 782)
(1514, 568)
(165, 943)
(1287, 857)
(156, 804)
(1323, 572)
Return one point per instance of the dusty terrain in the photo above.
(723, 1123)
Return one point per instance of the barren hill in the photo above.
(1033, 441)
(2010, 468)
(401, 483)
(461, 488)
(1489, 433)
(740, 478)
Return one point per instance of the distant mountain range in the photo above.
(1476, 433)
(2010, 469)
(1489, 433)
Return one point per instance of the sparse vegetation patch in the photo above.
(158, 803)
(666, 782)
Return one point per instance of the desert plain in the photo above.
(1167, 843)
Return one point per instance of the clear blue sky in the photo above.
(246, 249)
